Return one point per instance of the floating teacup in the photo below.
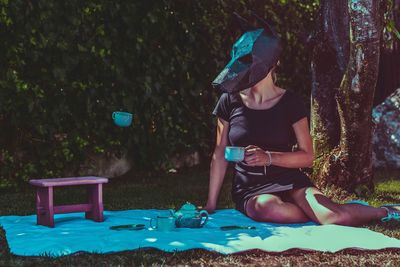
(163, 223)
(122, 119)
(234, 153)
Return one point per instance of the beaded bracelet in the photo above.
(270, 161)
(270, 158)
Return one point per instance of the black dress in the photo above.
(270, 129)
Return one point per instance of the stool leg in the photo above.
(95, 198)
(44, 206)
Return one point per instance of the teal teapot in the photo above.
(189, 217)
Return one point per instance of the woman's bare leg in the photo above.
(324, 211)
(271, 208)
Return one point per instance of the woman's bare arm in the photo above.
(255, 156)
(218, 165)
(298, 159)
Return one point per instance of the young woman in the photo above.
(268, 185)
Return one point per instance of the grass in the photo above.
(170, 191)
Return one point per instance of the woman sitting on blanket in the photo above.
(267, 120)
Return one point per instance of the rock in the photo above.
(109, 165)
(185, 159)
(105, 166)
(386, 137)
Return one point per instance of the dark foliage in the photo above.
(65, 66)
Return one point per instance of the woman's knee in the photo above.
(339, 216)
(264, 207)
(320, 208)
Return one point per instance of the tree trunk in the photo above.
(328, 64)
(348, 163)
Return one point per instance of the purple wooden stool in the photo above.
(45, 209)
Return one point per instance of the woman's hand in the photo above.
(209, 208)
(255, 156)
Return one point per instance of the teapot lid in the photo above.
(188, 207)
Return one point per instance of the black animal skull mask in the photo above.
(252, 57)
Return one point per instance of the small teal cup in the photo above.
(122, 119)
(234, 153)
(163, 223)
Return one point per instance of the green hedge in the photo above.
(65, 66)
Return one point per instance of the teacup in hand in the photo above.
(234, 153)
(122, 119)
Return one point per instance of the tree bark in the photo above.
(348, 163)
(328, 64)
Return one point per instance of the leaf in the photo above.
(391, 26)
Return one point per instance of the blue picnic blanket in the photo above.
(73, 233)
